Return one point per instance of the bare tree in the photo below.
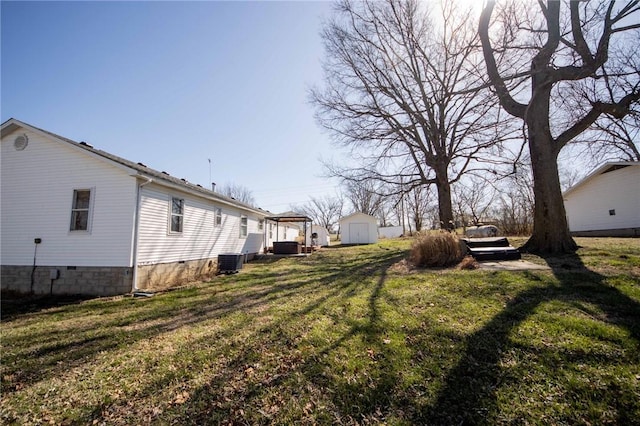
(612, 140)
(365, 196)
(473, 198)
(238, 192)
(388, 211)
(401, 91)
(325, 211)
(514, 204)
(419, 202)
(566, 54)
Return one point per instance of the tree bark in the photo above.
(445, 208)
(550, 227)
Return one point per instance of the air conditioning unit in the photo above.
(230, 263)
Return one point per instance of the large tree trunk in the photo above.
(445, 209)
(550, 227)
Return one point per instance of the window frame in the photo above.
(217, 217)
(88, 210)
(244, 226)
(172, 214)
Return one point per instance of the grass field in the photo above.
(349, 335)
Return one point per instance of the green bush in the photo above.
(436, 248)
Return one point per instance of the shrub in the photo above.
(436, 248)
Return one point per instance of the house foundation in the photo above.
(161, 276)
(87, 280)
(105, 281)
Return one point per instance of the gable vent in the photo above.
(20, 142)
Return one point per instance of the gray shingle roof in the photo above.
(11, 124)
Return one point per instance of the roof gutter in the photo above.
(136, 230)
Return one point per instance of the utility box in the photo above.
(230, 263)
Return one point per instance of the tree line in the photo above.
(442, 108)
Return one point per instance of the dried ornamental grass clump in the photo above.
(436, 248)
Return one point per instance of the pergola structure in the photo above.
(292, 217)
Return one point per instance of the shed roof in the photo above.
(364, 215)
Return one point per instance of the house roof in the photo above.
(139, 169)
(605, 168)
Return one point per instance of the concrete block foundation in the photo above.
(161, 276)
(95, 281)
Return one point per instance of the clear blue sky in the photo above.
(171, 84)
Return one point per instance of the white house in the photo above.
(358, 228)
(79, 220)
(606, 202)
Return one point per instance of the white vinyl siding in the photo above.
(588, 207)
(37, 187)
(200, 237)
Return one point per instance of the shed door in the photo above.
(358, 233)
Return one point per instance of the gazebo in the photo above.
(289, 247)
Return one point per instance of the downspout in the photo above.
(264, 236)
(136, 233)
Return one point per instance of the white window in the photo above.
(243, 226)
(218, 217)
(177, 214)
(271, 230)
(261, 224)
(80, 210)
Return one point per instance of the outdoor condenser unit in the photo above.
(230, 263)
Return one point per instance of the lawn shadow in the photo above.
(370, 397)
(238, 391)
(107, 330)
(469, 391)
(16, 305)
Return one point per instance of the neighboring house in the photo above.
(322, 236)
(606, 202)
(358, 228)
(291, 231)
(79, 220)
(281, 232)
(390, 232)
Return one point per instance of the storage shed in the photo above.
(321, 236)
(359, 228)
(606, 202)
